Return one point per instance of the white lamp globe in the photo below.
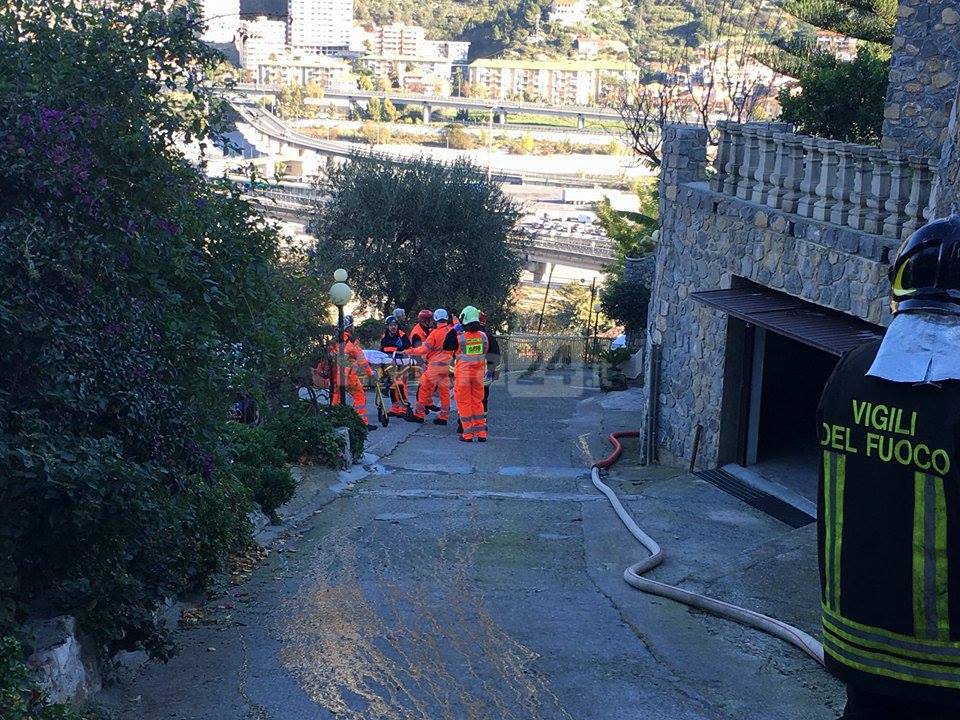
(340, 293)
(340, 275)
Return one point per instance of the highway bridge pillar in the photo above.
(502, 117)
(581, 122)
(538, 269)
(427, 112)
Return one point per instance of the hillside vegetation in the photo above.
(521, 27)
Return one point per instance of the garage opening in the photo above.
(780, 353)
(785, 439)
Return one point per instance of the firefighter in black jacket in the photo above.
(889, 497)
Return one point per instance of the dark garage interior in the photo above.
(794, 375)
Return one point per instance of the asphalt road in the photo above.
(484, 581)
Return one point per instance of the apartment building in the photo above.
(456, 51)
(221, 19)
(556, 82)
(434, 73)
(303, 69)
(840, 46)
(397, 39)
(259, 40)
(569, 12)
(319, 25)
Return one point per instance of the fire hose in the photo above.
(634, 575)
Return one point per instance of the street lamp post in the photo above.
(340, 294)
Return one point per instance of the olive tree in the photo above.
(420, 233)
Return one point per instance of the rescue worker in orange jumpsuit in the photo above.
(470, 346)
(494, 367)
(417, 335)
(354, 362)
(394, 340)
(420, 331)
(436, 378)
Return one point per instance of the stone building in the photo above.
(923, 75)
(773, 261)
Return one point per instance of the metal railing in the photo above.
(881, 192)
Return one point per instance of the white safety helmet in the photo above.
(440, 314)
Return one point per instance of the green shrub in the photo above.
(305, 435)
(625, 302)
(611, 378)
(138, 298)
(344, 416)
(260, 465)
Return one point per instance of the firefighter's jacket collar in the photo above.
(919, 348)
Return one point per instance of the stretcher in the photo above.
(390, 369)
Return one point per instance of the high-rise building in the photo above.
(320, 25)
(398, 39)
(259, 40)
(221, 19)
(555, 82)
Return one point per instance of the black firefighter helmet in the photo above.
(925, 277)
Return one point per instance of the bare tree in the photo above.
(645, 108)
(731, 84)
(719, 80)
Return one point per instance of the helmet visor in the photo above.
(921, 271)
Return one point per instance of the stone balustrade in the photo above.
(882, 192)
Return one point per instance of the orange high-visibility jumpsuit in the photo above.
(471, 367)
(437, 375)
(354, 360)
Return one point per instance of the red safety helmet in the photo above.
(424, 316)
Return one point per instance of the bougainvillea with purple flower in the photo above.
(129, 278)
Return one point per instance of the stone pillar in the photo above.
(735, 157)
(684, 159)
(923, 76)
(862, 181)
(811, 177)
(502, 117)
(879, 191)
(828, 178)
(722, 158)
(427, 114)
(751, 154)
(920, 184)
(767, 155)
(581, 122)
(841, 191)
(896, 202)
(792, 172)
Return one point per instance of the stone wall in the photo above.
(709, 238)
(947, 187)
(923, 75)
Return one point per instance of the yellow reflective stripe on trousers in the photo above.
(930, 592)
(834, 478)
(923, 673)
(883, 640)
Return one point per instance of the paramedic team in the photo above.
(463, 346)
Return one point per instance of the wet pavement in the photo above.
(468, 581)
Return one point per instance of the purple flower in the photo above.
(49, 116)
(124, 259)
(58, 154)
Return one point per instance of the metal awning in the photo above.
(823, 328)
